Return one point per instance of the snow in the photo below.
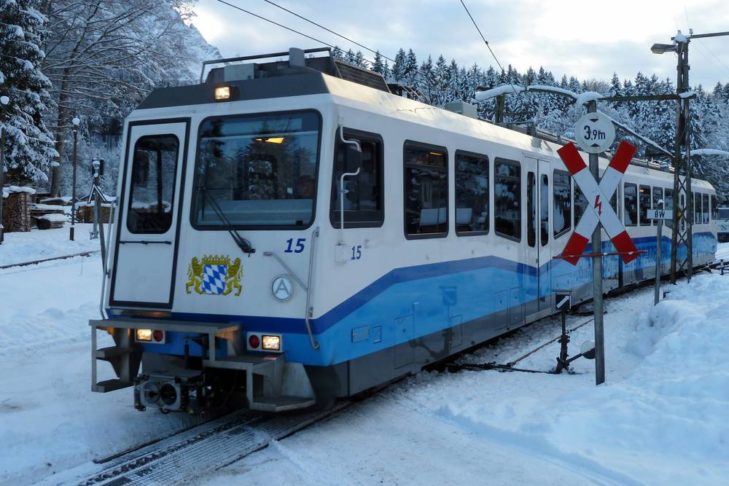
(552, 89)
(580, 98)
(587, 97)
(680, 38)
(54, 217)
(7, 190)
(497, 91)
(662, 417)
(709, 152)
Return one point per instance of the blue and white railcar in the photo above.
(292, 231)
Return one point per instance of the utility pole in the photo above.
(683, 218)
(683, 207)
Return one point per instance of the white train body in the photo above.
(423, 276)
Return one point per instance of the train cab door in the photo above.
(149, 212)
(538, 242)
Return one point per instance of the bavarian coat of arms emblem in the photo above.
(214, 275)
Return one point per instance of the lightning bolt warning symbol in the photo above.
(598, 205)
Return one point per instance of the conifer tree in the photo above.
(28, 143)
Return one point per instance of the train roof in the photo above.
(306, 72)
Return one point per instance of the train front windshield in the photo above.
(257, 171)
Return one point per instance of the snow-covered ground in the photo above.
(662, 417)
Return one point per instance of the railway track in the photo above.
(50, 259)
(195, 453)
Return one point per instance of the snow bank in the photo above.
(667, 420)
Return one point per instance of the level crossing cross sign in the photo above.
(598, 197)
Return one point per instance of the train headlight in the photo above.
(271, 343)
(223, 93)
(149, 336)
(144, 335)
(265, 342)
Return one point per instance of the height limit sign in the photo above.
(594, 132)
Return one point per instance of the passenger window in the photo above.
(714, 208)
(544, 209)
(363, 194)
(472, 194)
(154, 169)
(658, 197)
(697, 207)
(562, 189)
(630, 205)
(645, 205)
(531, 210)
(580, 204)
(668, 204)
(561, 212)
(705, 208)
(507, 199)
(426, 190)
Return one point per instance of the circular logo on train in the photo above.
(282, 288)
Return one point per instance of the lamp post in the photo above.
(4, 100)
(75, 122)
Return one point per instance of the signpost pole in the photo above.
(657, 297)
(597, 277)
(659, 227)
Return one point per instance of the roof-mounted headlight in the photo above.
(225, 93)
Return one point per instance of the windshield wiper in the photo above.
(242, 243)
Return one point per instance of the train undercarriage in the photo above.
(210, 374)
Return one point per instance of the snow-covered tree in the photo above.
(28, 143)
(104, 57)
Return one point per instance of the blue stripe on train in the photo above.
(411, 302)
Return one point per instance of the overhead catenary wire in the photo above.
(276, 23)
(328, 29)
(485, 41)
(284, 27)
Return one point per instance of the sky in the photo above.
(586, 39)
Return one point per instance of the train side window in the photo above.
(714, 208)
(630, 204)
(507, 199)
(580, 204)
(364, 195)
(697, 207)
(472, 194)
(426, 190)
(668, 204)
(531, 210)
(154, 170)
(544, 209)
(644, 199)
(658, 197)
(562, 196)
(705, 208)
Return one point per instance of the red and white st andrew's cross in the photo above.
(598, 197)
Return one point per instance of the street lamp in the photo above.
(4, 100)
(663, 48)
(75, 122)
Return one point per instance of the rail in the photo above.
(50, 259)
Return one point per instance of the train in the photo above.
(292, 231)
